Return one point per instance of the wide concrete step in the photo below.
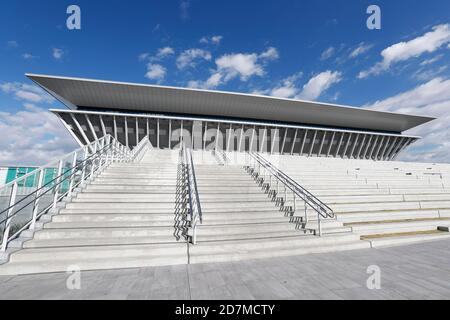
(109, 218)
(221, 251)
(132, 199)
(130, 206)
(102, 232)
(387, 215)
(249, 228)
(130, 189)
(397, 226)
(404, 238)
(46, 260)
(86, 242)
(120, 210)
(126, 182)
(123, 196)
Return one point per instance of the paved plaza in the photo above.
(420, 271)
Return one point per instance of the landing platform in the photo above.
(418, 271)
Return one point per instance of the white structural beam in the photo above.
(217, 135)
(303, 142)
(366, 149)
(313, 141)
(253, 137)
(347, 144)
(170, 134)
(331, 143)
(322, 142)
(137, 131)
(181, 133)
(272, 140)
(126, 132)
(386, 156)
(204, 135)
(230, 133)
(293, 141)
(379, 148)
(91, 127)
(77, 124)
(284, 140)
(361, 146)
(71, 131)
(263, 141)
(115, 127)
(373, 147)
(338, 147)
(240, 138)
(102, 124)
(354, 146)
(385, 148)
(396, 147)
(407, 143)
(158, 133)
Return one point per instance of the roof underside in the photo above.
(76, 93)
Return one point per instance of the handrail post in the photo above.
(12, 201)
(83, 172)
(37, 198)
(58, 179)
(72, 174)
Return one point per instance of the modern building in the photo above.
(229, 121)
(167, 176)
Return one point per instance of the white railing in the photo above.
(194, 216)
(283, 189)
(20, 211)
(139, 151)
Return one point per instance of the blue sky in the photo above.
(315, 50)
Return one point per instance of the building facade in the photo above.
(209, 120)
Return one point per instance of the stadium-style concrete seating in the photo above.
(123, 219)
(384, 202)
(129, 216)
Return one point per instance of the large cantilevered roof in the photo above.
(144, 98)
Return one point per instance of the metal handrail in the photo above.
(140, 149)
(325, 210)
(195, 210)
(322, 210)
(105, 151)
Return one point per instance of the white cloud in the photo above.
(425, 75)
(184, 9)
(429, 42)
(287, 88)
(27, 92)
(28, 56)
(190, 57)
(58, 53)
(155, 72)
(361, 49)
(319, 84)
(165, 52)
(432, 99)
(213, 40)
(161, 54)
(270, 54)
(236, 65)
(431, 60)
(328, 53)
(35, 137)
(12, 44)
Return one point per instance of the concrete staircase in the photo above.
(241, 222)
(123, 219)
(130, 215)
(386, 203)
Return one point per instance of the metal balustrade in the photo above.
(279, 186)
(23, 210)
(194, 215)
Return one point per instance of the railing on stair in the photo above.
(220, 157)
(273, 180)
(38, 192)
(139, 151)
(194, 215)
